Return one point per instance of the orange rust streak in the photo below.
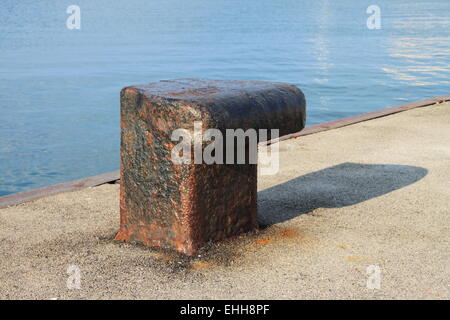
(288, 233)
(263, 241)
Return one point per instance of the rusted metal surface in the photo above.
(183, 207)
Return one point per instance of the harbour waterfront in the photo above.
(59, 104)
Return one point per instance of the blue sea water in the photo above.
(59, 88)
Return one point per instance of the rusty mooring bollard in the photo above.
(184, 206)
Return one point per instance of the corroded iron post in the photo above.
(184, 206)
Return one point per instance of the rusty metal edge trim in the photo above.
(359, 118)
(17, 198)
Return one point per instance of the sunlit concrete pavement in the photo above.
(357, 212)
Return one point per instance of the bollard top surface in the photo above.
(233, 103)
(198, 89)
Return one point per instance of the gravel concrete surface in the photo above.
(371, 195)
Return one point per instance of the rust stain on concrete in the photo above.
(357, 259)
(263, 241)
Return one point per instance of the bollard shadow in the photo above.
(334, 187)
